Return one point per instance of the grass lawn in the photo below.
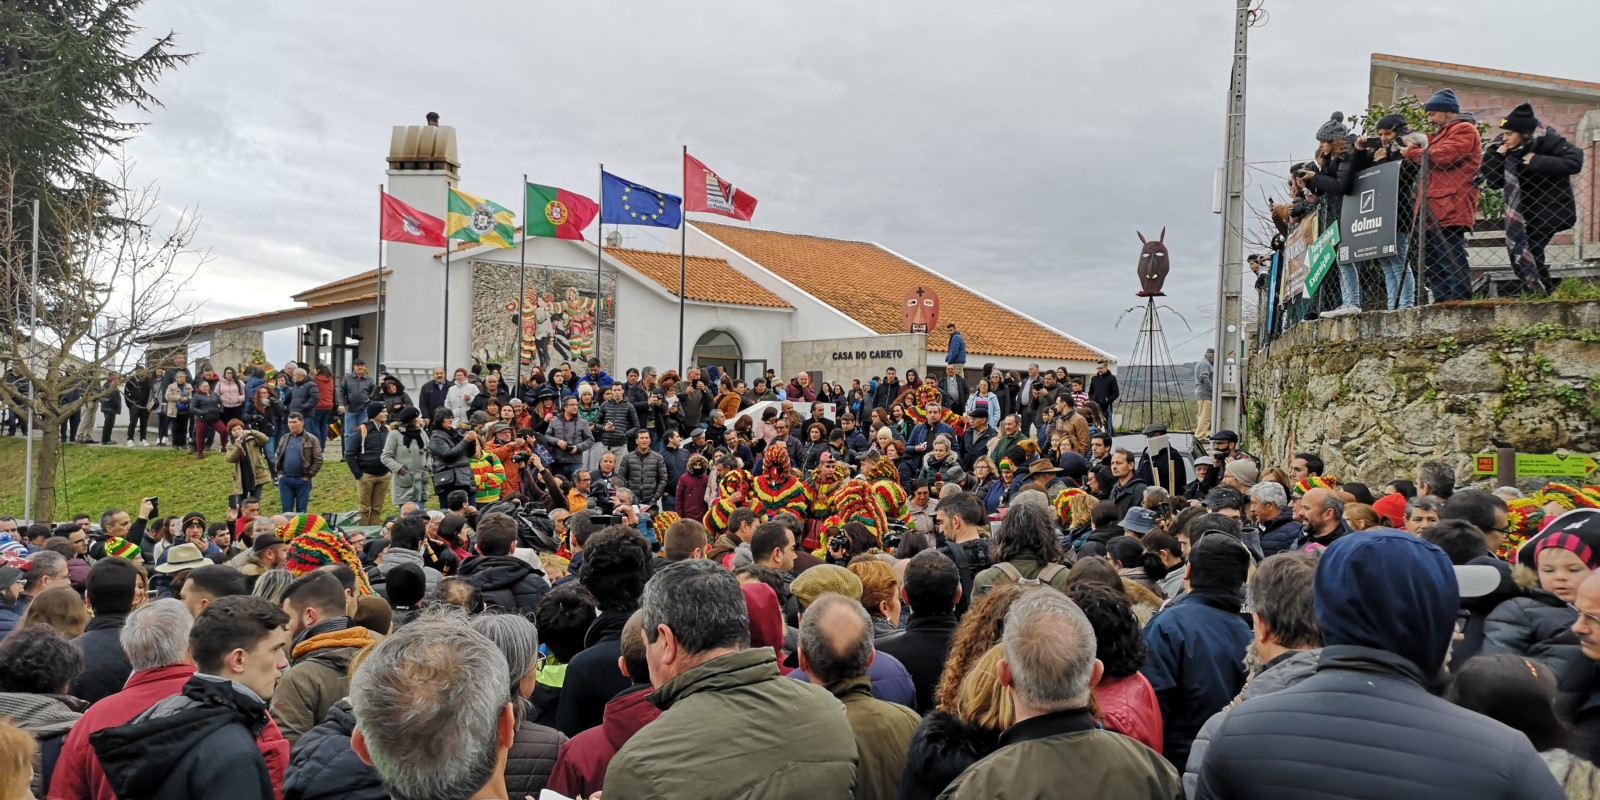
(93, 478)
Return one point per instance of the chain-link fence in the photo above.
(1388, 216)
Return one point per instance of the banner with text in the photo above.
(1295, 266)
(1368, 221)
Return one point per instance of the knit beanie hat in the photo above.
(1334, 129)
(1244, 471)
(299, 524)
(375, 408)
(1391, 510)
(1316, 482)
(408, 414)
(662, 522)
(1393, 122)
(811, 584)
(191, 518)
(1521, 120)
(1443, 100)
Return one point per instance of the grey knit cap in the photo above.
(1334, 129)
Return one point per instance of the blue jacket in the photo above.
(1280, 534)
(1196, 663)
(920, 435)
(958, 349)
(9, 617)
(891, 682)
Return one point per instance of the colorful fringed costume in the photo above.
(1063, 504)
(779, 487)
(662, 522)
(313, 546)
(926, 395)
(822, 484)
(734, 490)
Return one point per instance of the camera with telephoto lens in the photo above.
(895, 535)
(521, 457)
(602, 497)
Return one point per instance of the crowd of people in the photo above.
(1442, 173)
(629, 588)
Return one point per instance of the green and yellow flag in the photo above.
(474, 219)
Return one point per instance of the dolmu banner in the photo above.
(1369, 219)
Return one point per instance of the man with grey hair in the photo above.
(46, 568)
(1269, 507)
(835, 649)
(707, 678)
(433, 711)
(155, 638)
(1436, 478)
(1055, 749)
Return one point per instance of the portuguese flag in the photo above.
(474, 219)
(558, 213)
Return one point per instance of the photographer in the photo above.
(512, 451)
(250, 471)
(1388, 144)
(1534, 165)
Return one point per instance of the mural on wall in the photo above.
(558, 318)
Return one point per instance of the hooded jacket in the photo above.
(580, 769)
(592, 677)
(1386, 603)
(1539, 626)
(47, 718)
(1197, 646)
(78, 774)
(1448, 197)
(324, 766)
(198, 743)
(793, 740)
(394, 557)
(318, 675)
(507, 583)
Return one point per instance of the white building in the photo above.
(754, 299)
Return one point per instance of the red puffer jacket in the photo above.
(324, 393)
(1453, 156)
(1130, 708)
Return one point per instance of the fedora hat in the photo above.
(1042, 466)
(181, 557)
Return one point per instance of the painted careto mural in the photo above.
(558, 317)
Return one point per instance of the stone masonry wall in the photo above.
(1378, 393)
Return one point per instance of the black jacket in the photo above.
(1538, 626)
(506, 582)
(1153, 470)
(941, 748)
(323, 765)
(922, 649)
(366, 458)
(303, 397)
(430, 397)
(1103, 389)
(106, 667)
(198, 743)
(592, 677)
(205, 406)
(1545, 183)
(452, 459)
(1129, 496)
(970, 558)
(531, 759)
(1364, 727)
(1281, 534)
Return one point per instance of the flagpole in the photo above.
(599, 261)
(683, 257)
(522, 280)
(445, 364)
(377, 324)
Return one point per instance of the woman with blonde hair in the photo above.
(979, 630)
(880, 593)
(950, 740)
(16, 762)
(1361, 517)
(58, 607)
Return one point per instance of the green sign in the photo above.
(1324, 251)
(1575, 465)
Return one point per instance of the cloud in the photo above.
(1014, 146)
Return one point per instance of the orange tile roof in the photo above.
(356, 278)
(709, 280)
(361, 302)
(836, 271)
(1486, 72)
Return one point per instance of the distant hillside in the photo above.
(1178, 381)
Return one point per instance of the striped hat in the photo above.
(314, 547)
(121, 548)
(1316, 482)
(301, 524)
(1063, 504)
(663, 521)
(1569, 497)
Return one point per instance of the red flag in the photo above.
(402, 223)
(704, 190)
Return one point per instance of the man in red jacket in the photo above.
(156, 639)
(1447, 200)
(580, 769)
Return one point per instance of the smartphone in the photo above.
(155, 506)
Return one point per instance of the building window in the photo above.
(718, 348)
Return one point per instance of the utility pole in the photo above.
(1225, 408)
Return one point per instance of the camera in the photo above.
(602, 496)
(521, 457)
(839, 541)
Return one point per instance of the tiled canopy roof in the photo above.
(709, 280)
(868, 283)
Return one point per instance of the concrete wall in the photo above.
(1378, 393)
(231, 348)
(855, 357)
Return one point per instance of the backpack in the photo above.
(1043, 579)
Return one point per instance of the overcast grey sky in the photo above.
(1014, 145)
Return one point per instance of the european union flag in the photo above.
(627, 203)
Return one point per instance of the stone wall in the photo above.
(1378, 393)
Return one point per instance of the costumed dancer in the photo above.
(734, 490)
